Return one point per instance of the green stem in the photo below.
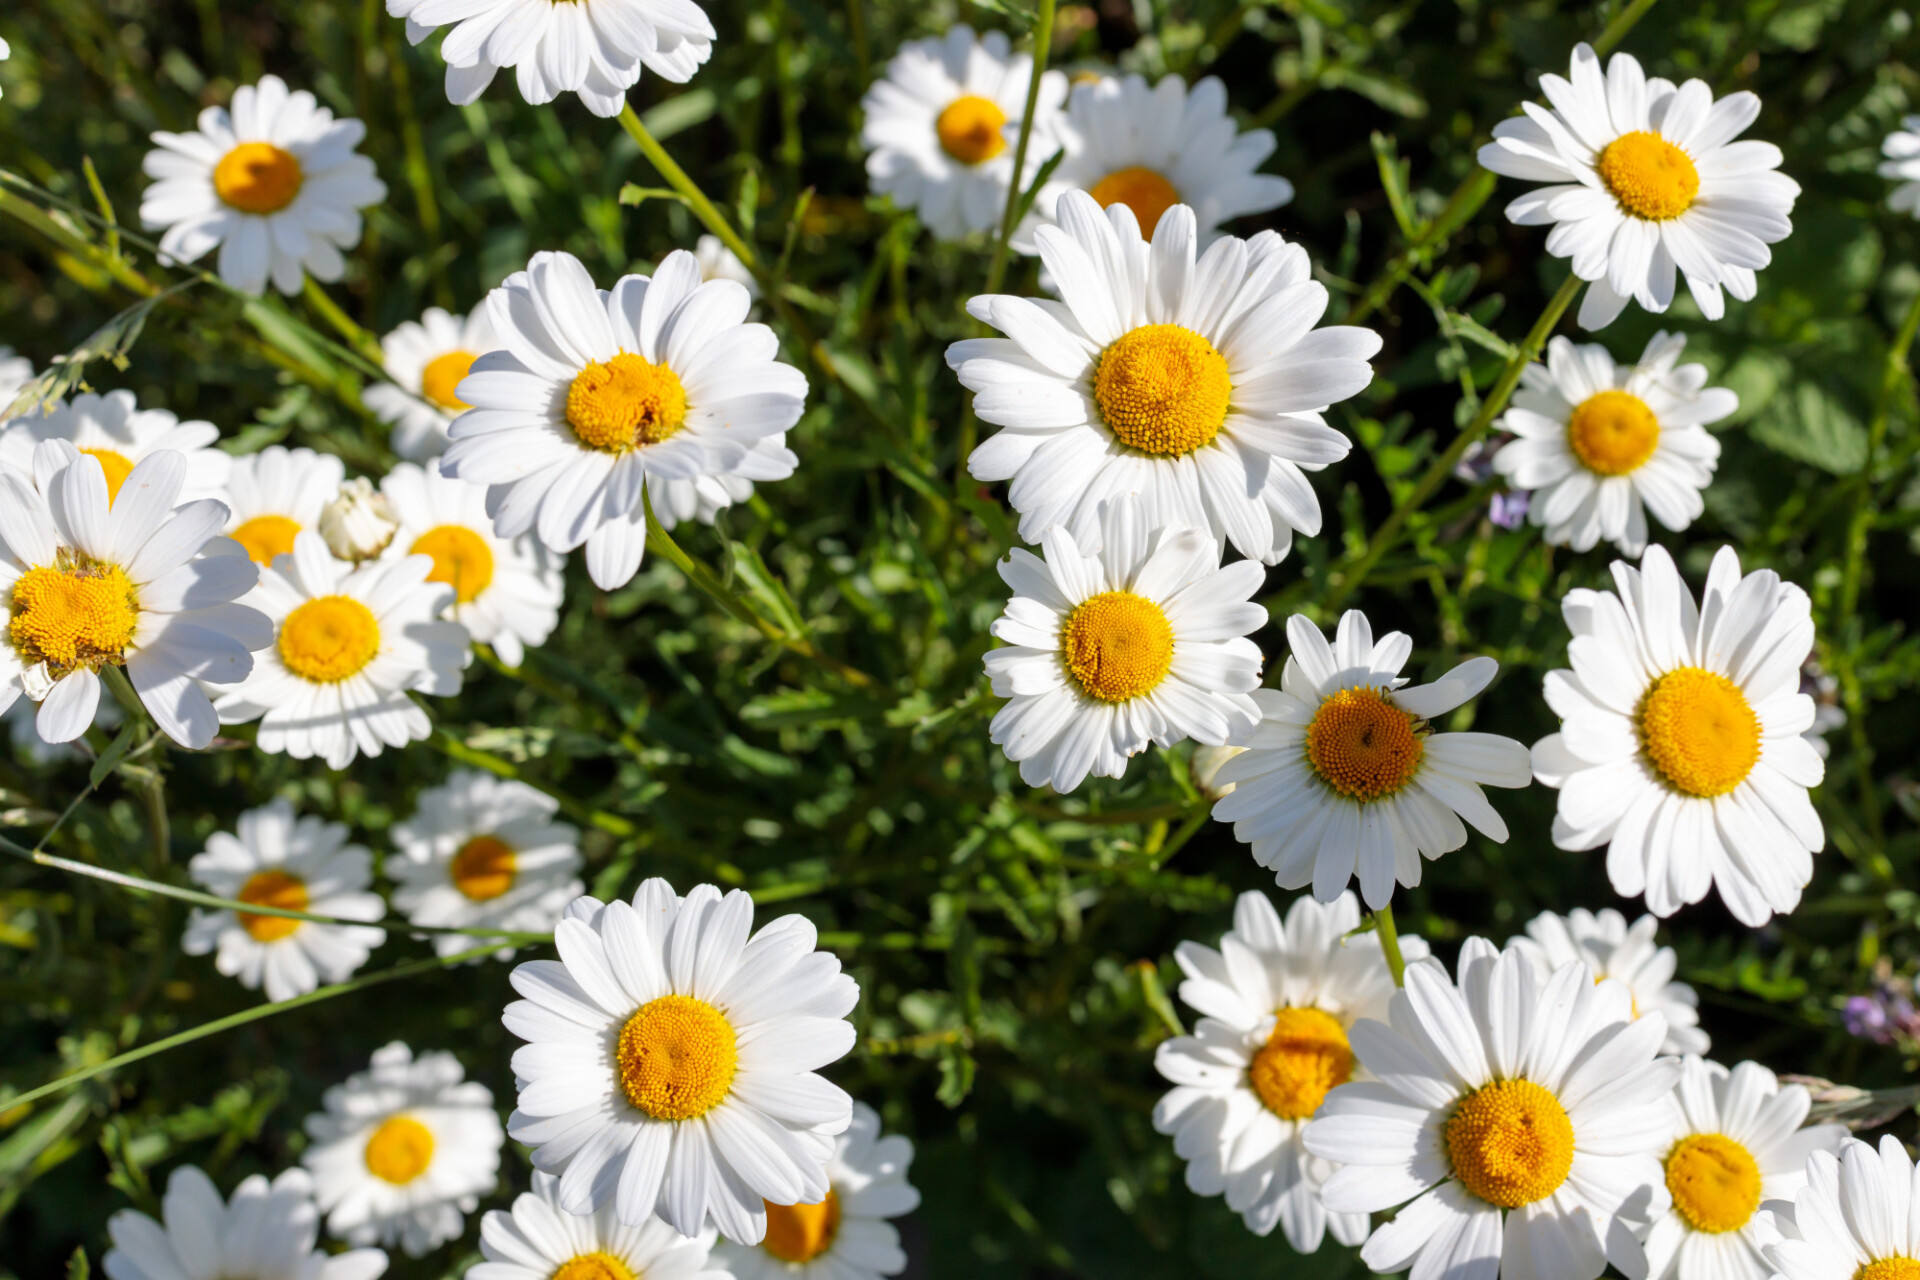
(703, 208)
(359, 339)
(1616, 31)
(1042, 50)
(1390, 944)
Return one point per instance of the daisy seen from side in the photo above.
(1605, 943)
(273, 494)
(116, 432)
(539, 1240)
(426, 359)
(267, 1231)
(717, 262)
(1857, 1217)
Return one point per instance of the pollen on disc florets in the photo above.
(1145, 191)
(461, 559)
(272, 888)
(972, 129)
(442, 377)
(1117, 645)
(484, 868)
(1305, 1057)
(329, 638)
(1699, 731)
(597, 1265)
(1649, 176)
(75, 613)
(399, 1150)
(1362, 745)
(1715, 1182)
(1894, 1268)
(258, 178)
(1510, 1143)
(802, 1232)
(1613, 433)
(1162, 389)
(676, 1057)
(625, 403)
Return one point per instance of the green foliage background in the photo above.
(1013, 948)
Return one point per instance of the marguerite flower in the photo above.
(1645, 178)
(1680, 737)
(1857, 1217)
(538, 1240)
(427, 359)
(402, 1150)
(1902, 164)
(670, 1064)
(16, 371)
(1605, 944)
(113, 430)
(1143, 640)
(1198, 385)
(349, 644)
(1603, 444)
(1345, 772)
(273, 494)
(479, 851)
(267, 1232)
(942, 126)
(274, 860)
(275, 183)
(598, 395)
(1522, 1113)
(1279, 1000)
(717, 262)
(846, 1236)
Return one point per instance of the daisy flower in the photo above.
(1603, 444)
(845, 1236)
(599, 394)
(1857, 1217)
(595, 49)
(1605, 944)
(538, 1240)
(6, 51)
(1344, 772)
(268, 1231)
(1151, 148)
(670, 1060)
(1680, 741)
(427, 358)
(273, 494)
(275, 184)
(1143, 640)
(717, 262)
(275, 860)
(350, 643)
(16, 371)
(112, 430)
(1198, 385)
(1522, 1113)
(942, 127)
(87, 583)
(506, 591)
(1644, 178)
(1279, 1000)
(479, 851)
(1902, 164)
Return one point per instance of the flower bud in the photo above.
(1206, 764)
(358, 524)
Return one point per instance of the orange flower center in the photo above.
(1142, 190)
(272, 889)
(1613, 433)
(625, 403)
(461, 559)
(971, 129)
(802, 1232)
(441, 378)
(1362, 745)
(1306, 1056)
(265, 537)
(1649, 176)
(484, 868)
(257, 177)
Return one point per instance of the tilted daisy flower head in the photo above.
(138, 582)
(538, 1240)
(427, 358)
(1605, 943)
(1194, 380)
(1604, 444)
(350, 643)
(1345, 774)
(1522, 1113)
(1645, 178)
(268, 1231)
(1857, 1217)
(599, 394)
(1140, 641)
(275, 183)
(1680, 742)
(1279, 1000)
(942, 126)
(113, 430)
(1902, 164)
(274, 859)
(670, 1060)
(717, 262)
(273, 494)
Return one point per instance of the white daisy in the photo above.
(1523, 1114)
(1603, 444)
(942, 127)
(275, 183)
(598, 394)
(1150, 149)
(506, 591)
(1605, 944)
(479, 851)
(16, 371)
(670, 1064)
(717, 262)
(1198, 385)
(6, 51)
(144, 584)
(1279, 1000)
(267, 1232)
(120, 435)
(297, 865)
(539, 1240)
(1344, 772)
(273, 494)
(1902, 164)
(845, 1236)
(1143, 641)
(1645, 178)
(595, 48)
(427, 359)
(350, 643)
(1857, 1217)
(1680, 740)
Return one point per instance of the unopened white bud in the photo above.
(1206, 766)
(358, 524)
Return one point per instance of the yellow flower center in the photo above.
(594, 1266)
(1699, 731)
(1714, 1180)
(1612, 433)
(1117, 645)
(1162, 389)
(1142, 190)
(1894, 1268)
(73, 615)
(399, 1150)
(625, 403)
(329, 638)
(115, 466)
(1649, 176)
(970, 129)
(484, 868)
(442, 376)
(272, 889)
(802, 1232)
(676, 1058)
(461, 559)
(265, 537)
(1510, 1143)
(1362, 745)
(257, 177)
(1306, 1056)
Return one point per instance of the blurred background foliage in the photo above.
(1013, 948)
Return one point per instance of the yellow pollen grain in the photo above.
(257, 177)
(1306, 1056)
(265, 537)
(115, 466)
(1715, 1182)
(441, 378)
(675, 1058)
(399, 1150)
(1649, 176)
(597, 1265)
(461, 559)
(1362, 745)
(1699, 731)
(1893, 1268)
(73, 616)
(1162, 389)
(484, 868)
(802, 1232)
(971, 129)
(1613, 433)
(1117, 645)
(1145, 191)
(625, 403)
(329, 638)
(272, 889)
(1510, 1143)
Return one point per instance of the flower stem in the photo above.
(703, 208)
(1390, 943)
(359, 339)
(1042, 50)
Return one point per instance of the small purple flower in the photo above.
(1508, 510)
(1866, 1017)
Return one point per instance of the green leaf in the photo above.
(77, 1264)
(1811, 425)
(116, 752)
